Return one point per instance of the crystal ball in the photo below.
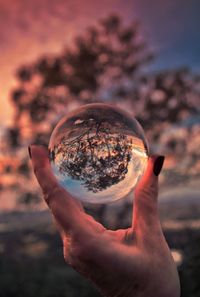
(98, 153)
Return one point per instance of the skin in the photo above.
(135, 262)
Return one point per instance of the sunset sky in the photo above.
(29, 29)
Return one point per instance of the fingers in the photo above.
(67, 211)
(42, 170)
(145, 212)
(46, 179)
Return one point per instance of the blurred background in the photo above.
(58, 55)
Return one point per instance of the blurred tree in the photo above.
(101, 65)
(107, 56)
(170, 96)
(104, 64)
(83, 160)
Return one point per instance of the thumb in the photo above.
(145, 212)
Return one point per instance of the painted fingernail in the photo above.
(29, 151)
(158, 165)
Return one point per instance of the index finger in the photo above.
(68, 212)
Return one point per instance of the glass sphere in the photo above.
(98, 153)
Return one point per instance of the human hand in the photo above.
(135, 262)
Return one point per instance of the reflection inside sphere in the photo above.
(98, 153)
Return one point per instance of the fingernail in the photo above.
(29, 151)
(158, 165)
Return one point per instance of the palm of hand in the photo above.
(120, 263)
(135, 262)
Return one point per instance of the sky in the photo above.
(31, 28)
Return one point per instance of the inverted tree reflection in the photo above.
(97, 157)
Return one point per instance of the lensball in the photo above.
(98, 153)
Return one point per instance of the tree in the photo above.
(97, 157)
(104, 64)
(170, 96)
(101, 64)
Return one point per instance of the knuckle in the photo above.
(50, 194)
(147, 190)
(38, 171)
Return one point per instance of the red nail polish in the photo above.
(158, 165)
(29, 151)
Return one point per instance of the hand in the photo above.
(135, 262)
